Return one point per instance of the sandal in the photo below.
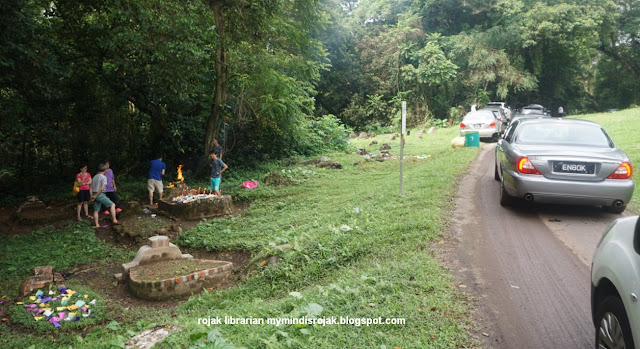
(88, 217)
(117, 223)
(79, 219)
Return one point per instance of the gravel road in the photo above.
(527, 269)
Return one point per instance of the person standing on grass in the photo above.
(154, 179)
(99, 197)
(217, 167)
(83, 180)
(560, 111)
(110, 189)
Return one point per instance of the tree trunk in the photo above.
(222, 77)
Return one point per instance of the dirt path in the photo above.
(528, 268)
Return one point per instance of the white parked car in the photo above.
(482, 121)
(500, 105)
(615, 286)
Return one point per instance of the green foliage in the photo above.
(439, 54)
(377, 128)
(439, 123)
(618, 125)
(88, 81)
(62, 248)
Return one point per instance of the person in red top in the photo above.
(83, 180)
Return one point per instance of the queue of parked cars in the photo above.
(491, 128)
(540, 158)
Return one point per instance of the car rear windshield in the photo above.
(563, 133)
(479, 117)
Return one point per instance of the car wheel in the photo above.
(505, 199)
(496, 175)
(612, 325)
(614, 209)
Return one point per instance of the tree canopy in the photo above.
(83, 81)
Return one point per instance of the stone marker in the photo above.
(43, 277)
(334, 165)
(148, 338)
(159, 249)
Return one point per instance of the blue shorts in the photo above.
(215, 183)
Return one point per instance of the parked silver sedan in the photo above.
(565, 161)
(614, 286)
(483, 121)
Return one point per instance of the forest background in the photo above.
(86, 80)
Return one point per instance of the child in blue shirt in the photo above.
(217, 167)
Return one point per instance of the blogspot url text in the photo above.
(283, 321)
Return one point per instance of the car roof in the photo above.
(555, 120)
(534, 106)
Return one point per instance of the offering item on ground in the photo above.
(58, 305)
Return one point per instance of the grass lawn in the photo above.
(622, 126)
(359, 250)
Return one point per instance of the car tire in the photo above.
(505, 199)
(496, 175)
(612, 324)
(613, 209)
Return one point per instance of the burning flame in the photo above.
(180, 177)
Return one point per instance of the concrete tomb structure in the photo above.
(161, 271)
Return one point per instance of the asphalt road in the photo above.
(527, 269)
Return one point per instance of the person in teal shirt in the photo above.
(217, 167)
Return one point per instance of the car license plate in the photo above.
(477, 125)
(574, 167)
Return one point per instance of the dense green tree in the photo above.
(519, 51)
(89, 79)
(267, 56)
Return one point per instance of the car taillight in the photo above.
(623, 171)
(463, 125)
(525, 166)
(493, 124)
